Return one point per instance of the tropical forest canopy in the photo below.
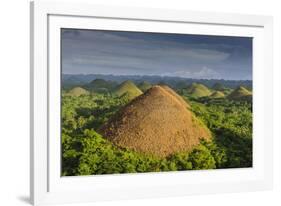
(223, 107)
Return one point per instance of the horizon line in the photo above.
(160, 76)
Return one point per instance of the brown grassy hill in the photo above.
(157, 123)
(178, 97)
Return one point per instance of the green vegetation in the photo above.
(86, 152)
(231, 124)
(218, 87)
(127, 88)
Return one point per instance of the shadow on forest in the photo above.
(100, 115)
(238, 149)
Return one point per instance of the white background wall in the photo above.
(14, 100)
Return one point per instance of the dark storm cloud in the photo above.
(129, 53)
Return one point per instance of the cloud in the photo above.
(101, 43)
(201, 73)
(87, 51)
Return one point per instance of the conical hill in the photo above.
(198, 90)
(78, 91)
(127, 88)
(240, 93)
(100, 86)
(157, 123)
(217, 94)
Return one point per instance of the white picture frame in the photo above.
(47, 186)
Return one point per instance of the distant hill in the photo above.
(181, 84)
(162, 82)
(217, 94)
(198, 90)
(157, 123)
(127, 88)
(78, 91)
(144, 85)
(174, 82)
(240, 93)
(218, 86)
(100, 85)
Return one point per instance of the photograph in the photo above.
(139, 102)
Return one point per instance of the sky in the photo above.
(140, 53)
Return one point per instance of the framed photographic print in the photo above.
(137, 103)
